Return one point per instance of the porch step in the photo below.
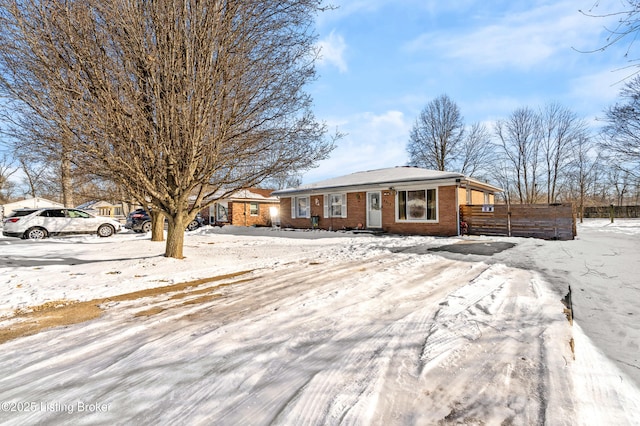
(368, 231)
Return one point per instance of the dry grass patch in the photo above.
(149, 312)
(202, 299)
(67, 312)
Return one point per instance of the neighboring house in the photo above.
(27, 203)
(403, 200)
(116, 211)
(246, 207)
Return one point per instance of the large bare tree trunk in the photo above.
(175, 237)
(157, 226)
(66, 181)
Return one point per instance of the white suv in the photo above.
(40, 223)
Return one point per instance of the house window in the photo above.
(335, 205)
(417, 205)
(222, 211)
(300, 207)
(254, 209)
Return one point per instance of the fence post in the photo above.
(611, 212)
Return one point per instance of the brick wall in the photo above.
(447, 216)
(239, 213)
(357, 214)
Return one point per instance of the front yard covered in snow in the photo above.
(261, 326)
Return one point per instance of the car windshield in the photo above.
(20, 213)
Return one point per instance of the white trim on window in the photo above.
(221, 211)
(254, 209)
(325, 206)
(300, 207)
(417, 204)
(335, 205)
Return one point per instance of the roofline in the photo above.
(482, 185)
(253, 200)
(455, 179)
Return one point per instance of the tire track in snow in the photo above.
(496, 373)
(306, 343)
(385, 353)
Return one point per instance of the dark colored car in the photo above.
(140, 221)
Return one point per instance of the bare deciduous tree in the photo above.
(439, 140)
(33, 176)
(621, 182)
(583, 170)
(520, 142)
(561, 129)
(44, 154)
(625, 30)
(6, 170)
(172, 100)
(436, 135)
(621, 134)
(477, 150)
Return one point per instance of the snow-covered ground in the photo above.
(298, 328)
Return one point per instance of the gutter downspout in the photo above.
(458, 206)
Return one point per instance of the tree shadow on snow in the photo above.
(39, 261)
(482, 249)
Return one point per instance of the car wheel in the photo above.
(106, 230)
(146, 227)
(193, 225)
(35, 233)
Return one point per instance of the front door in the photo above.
(374, 210)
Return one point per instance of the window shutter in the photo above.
(344, 205)
(293, 207)
(326, 205)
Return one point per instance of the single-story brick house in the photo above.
(402, 200)
(246, 207)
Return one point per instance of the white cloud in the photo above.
(590, 94)
(372, 141)
(343, 9)
(332, 50)
(520, 39)
(600, 87)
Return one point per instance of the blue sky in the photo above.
(385, 60)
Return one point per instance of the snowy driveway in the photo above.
(330, 331)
